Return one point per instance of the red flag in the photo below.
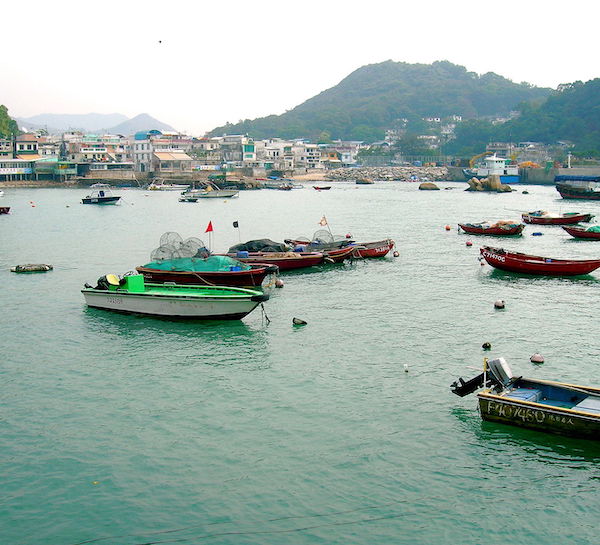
(209, 228)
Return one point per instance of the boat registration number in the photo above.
(495, 256)
(115, 300)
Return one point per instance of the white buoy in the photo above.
(406, 367)
(499, 303)
(536, 358)
(298, 321)
(279, 283)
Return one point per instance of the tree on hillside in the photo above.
(8, 126)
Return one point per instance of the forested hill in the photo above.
(8, 126)
(570, 114)
(374, 97)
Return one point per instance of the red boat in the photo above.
(373, 249)
(531, 264)
(581, 232)
(338, 255)
(321, 187)
(500, 228)
(284, 260)
(4, 209)
(543, 218)
(252, 277)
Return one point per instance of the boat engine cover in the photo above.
(500, 370)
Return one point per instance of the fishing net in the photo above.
(172, 246)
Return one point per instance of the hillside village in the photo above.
(77, 156)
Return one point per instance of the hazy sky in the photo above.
(198, 64)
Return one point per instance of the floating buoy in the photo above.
(31, 267)
(448, 228)
(348, 235)
(406, 367)
(537, 234)
(486, 346)
(525, 192)
(298, 321)
(536, 358)
(468, 243)
(396, 254)
(499, 303)
(279, 283)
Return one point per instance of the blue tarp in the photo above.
(577, 178)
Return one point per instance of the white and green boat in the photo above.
(131, 294)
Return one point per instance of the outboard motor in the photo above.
(498, 375)
(104, 282)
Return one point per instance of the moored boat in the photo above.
(544, 405)
(284, 260)
(578, 187)
(131, 294)
(160, 185)
(495, 166)
(101, 194)
(590, 233)
(530, 264)
(500, 228)
(541, 217)
(4, 209)
(211, 271)
(379, 248)
(322, 187)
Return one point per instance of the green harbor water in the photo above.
(127, 430)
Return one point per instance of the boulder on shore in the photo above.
(428, 186)
(492, 183)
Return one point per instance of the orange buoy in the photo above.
(448, 228)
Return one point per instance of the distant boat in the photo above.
(495, 166)
(531, 264)
(101, 194)
(541, 217)
(500, 228)
(131, 294)
(160, 185)
(4, 209)
(322, 187)
(543, 405)
(578, 187)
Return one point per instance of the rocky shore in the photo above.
(407, 174)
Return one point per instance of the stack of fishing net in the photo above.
(173, 246)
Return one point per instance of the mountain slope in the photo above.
(571, 114)
(141, 122)
(64, 122)
(375, 97)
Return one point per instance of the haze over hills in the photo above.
(376, 97)
(92, 123)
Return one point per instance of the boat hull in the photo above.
(562, 220)
(373, 249)
(242, 279)
(100, 200)
(285, 262)
(579, 232)
(567, 192)
(527, 264)
(493, 231)
(539, 416)
(205, 308)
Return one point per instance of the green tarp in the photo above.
(213, 263)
